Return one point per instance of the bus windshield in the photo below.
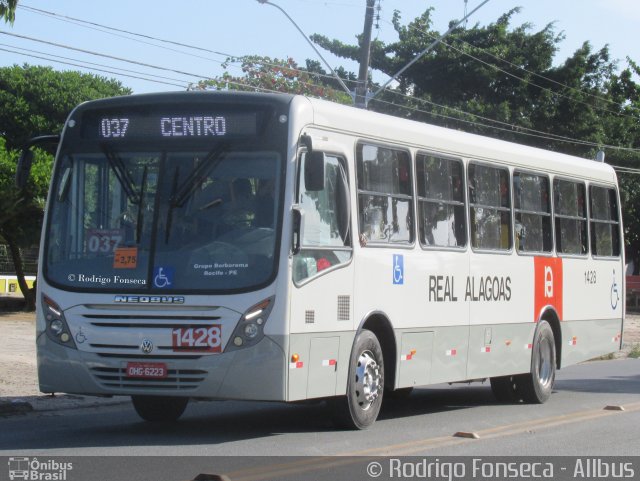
(157, 220)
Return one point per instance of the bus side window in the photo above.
(570, 217)
(605, 225)
(325, 238)
(489, 207)
(441, 201)
(532, 208)
(385, 206)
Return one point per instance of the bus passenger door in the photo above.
(321, 310)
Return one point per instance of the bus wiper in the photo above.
(169, 221)
(140, 219)
(120, 171)
(192, 182)
(198, 175)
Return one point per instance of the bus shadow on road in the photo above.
(436, 400)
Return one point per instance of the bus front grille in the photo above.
(177, 379)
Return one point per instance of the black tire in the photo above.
(536, 387)
(159, 408)
(506, 389)
(365, 385)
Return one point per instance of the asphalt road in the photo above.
(573, 423)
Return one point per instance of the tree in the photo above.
(276, 75)
(35, 101)
(8, 10)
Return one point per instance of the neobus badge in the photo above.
(150, 299)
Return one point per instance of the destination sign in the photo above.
(169, 125)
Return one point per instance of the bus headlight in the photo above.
(250, 328)
(57, 329)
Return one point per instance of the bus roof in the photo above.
(382, 127)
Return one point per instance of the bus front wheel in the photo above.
(159, 408)
(365, 385)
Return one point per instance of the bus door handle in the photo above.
(297, 230)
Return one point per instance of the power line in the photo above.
(109, 30)
(514, 130)
(120, 59)
(511, 127)
(92, 68)
(148, 37)
(87, 64)
(626, 170)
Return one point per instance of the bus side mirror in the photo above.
(24, 168)
(314, 171)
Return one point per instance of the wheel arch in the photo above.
(379, 323)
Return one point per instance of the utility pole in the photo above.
(365, 51)
(421, 54)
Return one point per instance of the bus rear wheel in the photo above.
(365, 385)
(536, 386)
(159, 408)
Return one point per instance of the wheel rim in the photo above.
(368, 380)
(545, 363)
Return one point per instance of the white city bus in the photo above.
(281, 248)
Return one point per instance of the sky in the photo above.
(243, 27)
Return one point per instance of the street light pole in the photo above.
(346, 89)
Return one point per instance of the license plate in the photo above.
(147, 370)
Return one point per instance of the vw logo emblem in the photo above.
(146, 346)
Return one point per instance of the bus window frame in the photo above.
(562, 178)
(494, 165)
(619, 222)
(465, 202)
(552, 251)
(412, 197)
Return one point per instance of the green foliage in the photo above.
(8, 10)
(37, 100)
(22, 210)
(276, 75)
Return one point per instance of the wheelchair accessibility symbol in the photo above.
(163, 277)
(398, 269)
(615, 295)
